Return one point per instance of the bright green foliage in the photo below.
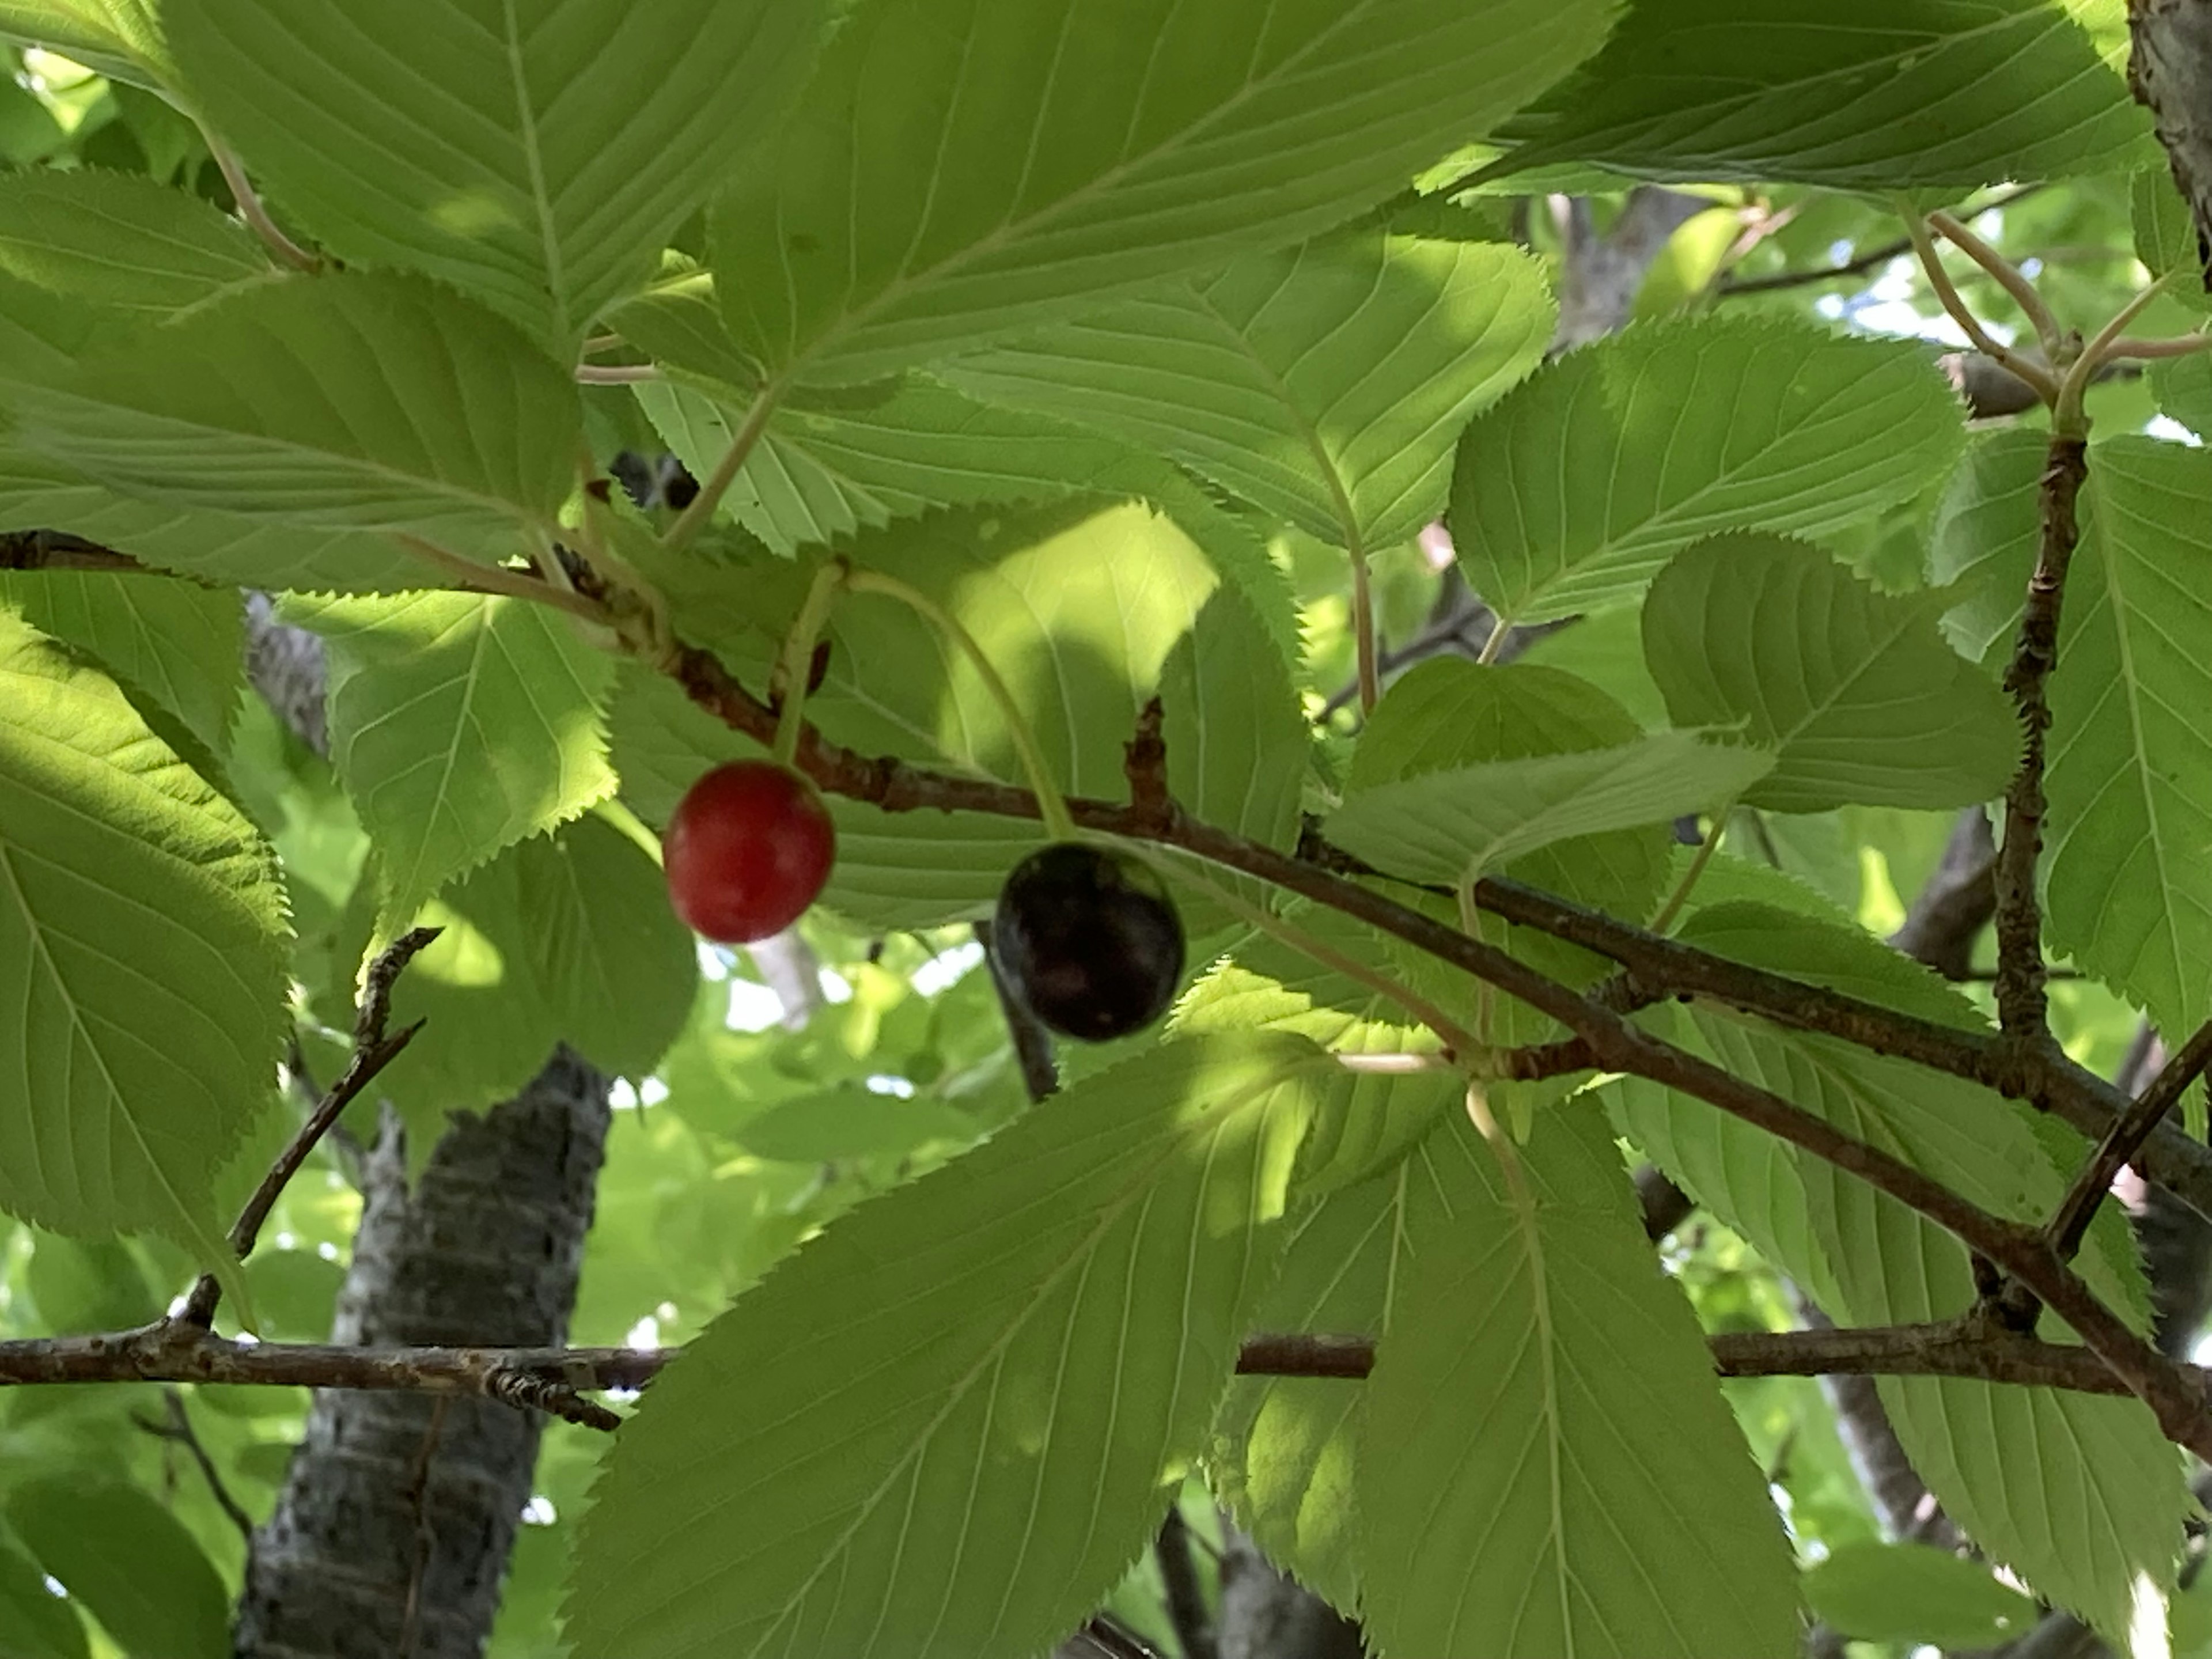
(1111, 326)
(177, 645)
(2130, 892)
(1324, 383)
(1285, 1449)
(821, 474)
(131, 1562)
(123, 242)
(1855, 692)
(448, 427)
(1507, 1508)
(1573, 491)
(1454, 824)
(1768, 89)
(2082, 1539)
(962, 1500)
(461, 723)
(534, 155)
(121, 37)
(125, 1092)
(1908, 1592)
(1078, 147)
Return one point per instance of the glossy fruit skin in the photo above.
(747, 851)
(1087, 940)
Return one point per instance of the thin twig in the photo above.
(2007, 276)
(1614, 1043)
(178, 1431)
(1859, 263)
(2045, 384)
(696, 517)
(2022, 1006)
(2180, 345)
(616, 374)
(418, 1498)
(251, 209)
(1186, 1600)
(372, 1051)
(498, 580)
(2070, 1225)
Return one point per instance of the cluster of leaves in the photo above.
(1125, 366)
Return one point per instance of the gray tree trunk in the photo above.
(391, 1538)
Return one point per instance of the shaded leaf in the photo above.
(122, 240)
(954, 177)
(128, 1560)
(1324, 383)
(461, 723)
(1915, 1593)
(1572, 491)
(142, 955)
(178, 644)
(1854, 691)
(1513, 1500)
(1763, 89)
(536, 157)
(1062, 1311)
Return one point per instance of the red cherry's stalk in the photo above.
(1052, 807)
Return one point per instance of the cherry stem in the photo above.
(786, 686)
(1052, 805)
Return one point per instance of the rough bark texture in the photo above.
(2170, 69)
(1264, 1615)
(392, 1535)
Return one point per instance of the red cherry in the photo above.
(747, 851)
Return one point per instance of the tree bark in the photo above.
(391, 1538)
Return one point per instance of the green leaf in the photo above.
(2184, 389)
(461, 725)
(1325, 383)
(130, 1562)
(818, 475)
(1284, 1450)
(340, 402)
(121, 240)
(2166, 238)
(1512, 1498)
(2129, 889)
(958, 174)
(1983, 545)
(851, 1121)
(608, 962)
(88, 1285)
(1916, 1593)
(1572, 492)
(141, 959)
(1705, 90)
(1854, 691)
(987, 1384)
(1448, 826)
(117, 38)
(179, 644)
(2079, 1495)
(536, 157)
(34, 1623)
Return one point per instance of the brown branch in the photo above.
(1658, 967)
(1614, 1044)
(1185, 1600)
(1872, 259)
(178, 1431)
(2070, 1225)
(372, 1051)
(551, 1379)
(2022, 1006)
